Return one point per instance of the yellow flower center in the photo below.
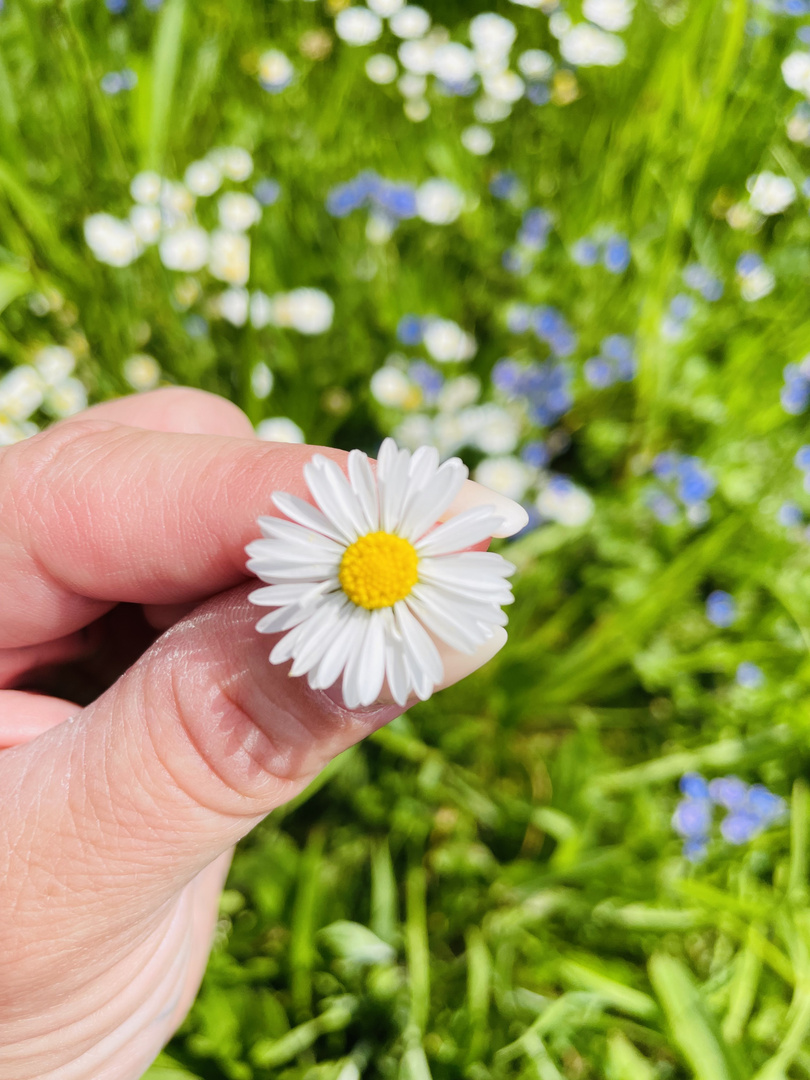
(378, 570)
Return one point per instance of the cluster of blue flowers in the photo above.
(613, 253)
(394, 200)
(616, 362)
(750, 809)
(548, 324)
(544, 387)
(690, 483)
(531, 238)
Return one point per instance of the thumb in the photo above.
(127, 801)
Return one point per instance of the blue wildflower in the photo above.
(695, 848)
(663, 507)
(398, 200)
(728, 791)
(682, 306)
(764, 805)
(694, 786)
(802, 458)
(504, 184)
(692, 817)
(267, 191)
(427, 378)
(116, 7)
(585, 253)
(695, 483)
(748, 263)
(703, 281)
(535, 229)
(410, 330)
(345, 198)
(616, 256)
(739, 828)
(749, 675)
(535, 453)
(721, 608)
(599, 372)
(506, 376)
(538, 93)
(665, 465)
(789, 515)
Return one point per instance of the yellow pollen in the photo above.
(378, 570)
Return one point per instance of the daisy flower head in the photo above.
(364, 581)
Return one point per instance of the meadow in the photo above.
(570, 243)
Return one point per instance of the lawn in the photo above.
(570, 243)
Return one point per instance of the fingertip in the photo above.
(472, 494)
(179, 409)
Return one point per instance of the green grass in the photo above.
(491, 887)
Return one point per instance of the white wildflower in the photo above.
(230, 257)
(381, 69)
(141, 371)
(410, 22)
(439, 201)
(586, 46)
(769, 193)
(203, 178)
(358, 25)
(111, 240)
(279, 429)
(238, 211)
(185, 249)
(446, 341)
(361, 581)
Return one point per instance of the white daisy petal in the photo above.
(347, 639)
(419, 647)
(430, 503)
(352, 686)
(456, 632)
(372, 668)
(462, 531)
(424, 463)
(279, 572)
(386, 456)
(365, 488)
(300, 592)
(306, 514)
(284, 618)
(333, 494)
(274, 528)
(313, 648)
(393, 492)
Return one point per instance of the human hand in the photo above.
(122, 534)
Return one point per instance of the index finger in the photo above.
(93, 512)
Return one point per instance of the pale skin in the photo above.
(122, 570)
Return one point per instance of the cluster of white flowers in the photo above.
(425, 50)
(46, 384)
(309, 311)
(164, 215)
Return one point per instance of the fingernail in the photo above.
(458, 666)
(472, 494)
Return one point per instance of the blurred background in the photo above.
(569, 242)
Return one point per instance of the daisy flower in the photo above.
(364, 581)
